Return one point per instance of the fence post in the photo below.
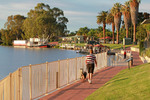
(106, 59)
(19, 83)
(97, 62)
(10, 75)
(76, 69)
(30, 74)
(46, 77)
(56, 80)
(67, 71)
(58, 74)
(82, 63)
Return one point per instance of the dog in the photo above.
(83, 75)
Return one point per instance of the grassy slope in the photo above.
(133, 84)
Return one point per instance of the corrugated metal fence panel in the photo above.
(38, 80)
(52, 69)
(63, 72)
(25, 84)
(6, 84)
(105, 59)
(5, 88)
(84, 64)
(15, 86)
(99, 61)
(72, 69)
(79, 65)
(1, 90)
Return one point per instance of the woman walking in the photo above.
(90, 59)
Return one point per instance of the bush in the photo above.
(56, 46)
(141, 47)
(146, 52)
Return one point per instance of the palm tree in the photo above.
(117, 18)
(134, 8)
(110, 20)
(101, 19)
(125, 9)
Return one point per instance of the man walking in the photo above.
(90, 59)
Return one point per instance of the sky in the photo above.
(80, 13)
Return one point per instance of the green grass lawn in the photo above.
(133, 84)
(77, 44)
(136, 46)
(81, 44)
(116, 46)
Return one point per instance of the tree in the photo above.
(125, 9)
(147, 27)
(45, 22)
(101, 19)
(7, 37)
(72, 34)
(110, 20)
(14, 25)
(117, 18)
(92, 33)
(83, 31)
(141, 33)
(134, 8)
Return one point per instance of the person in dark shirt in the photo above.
(90, 59)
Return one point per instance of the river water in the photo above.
(13, 58)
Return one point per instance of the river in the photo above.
(13, 58)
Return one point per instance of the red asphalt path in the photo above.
(80, 90)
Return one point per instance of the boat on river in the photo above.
(32, 42)
(37, 42)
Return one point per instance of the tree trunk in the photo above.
(134, 8)
(104, 31)
(113, 30)
(134, 35)
(117, 37)
(127, 21)
(117, 20)
(127, 32)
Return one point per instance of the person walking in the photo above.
(90, 59)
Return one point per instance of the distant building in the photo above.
(73, 39)
(19, 42)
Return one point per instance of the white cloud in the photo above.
(14, 8)
(77, 13)
(23, 6)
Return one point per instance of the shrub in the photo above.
(141, 46)
(146, 52)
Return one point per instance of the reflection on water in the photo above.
(13, 58)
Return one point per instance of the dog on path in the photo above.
(83, 75)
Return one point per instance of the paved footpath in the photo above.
(80, 90)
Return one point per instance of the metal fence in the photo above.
(33, 81)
